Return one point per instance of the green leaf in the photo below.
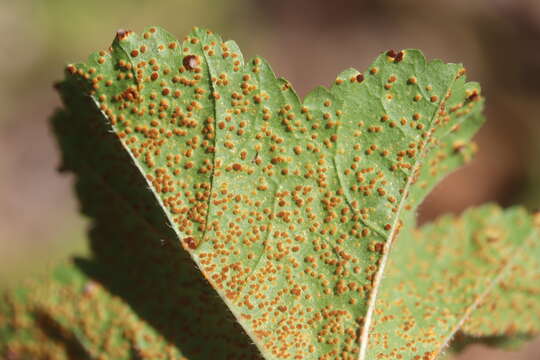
(288, 208)
(442, 272)
(70, 316)
(135, 254)
(511, 312)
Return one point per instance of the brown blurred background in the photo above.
(307, 41)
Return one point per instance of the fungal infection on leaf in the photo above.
(290, 208)
(275, 168)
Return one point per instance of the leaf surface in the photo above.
(135, 254)
(70, 316)
(511, 312)
(439, 276)
(288, 208)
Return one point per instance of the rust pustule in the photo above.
(190, 62)
(122, 34)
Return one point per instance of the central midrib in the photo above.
(364, 336)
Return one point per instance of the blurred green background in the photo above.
(307, 41)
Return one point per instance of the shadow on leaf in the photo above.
(136, 254)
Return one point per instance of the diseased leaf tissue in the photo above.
(300, 214)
